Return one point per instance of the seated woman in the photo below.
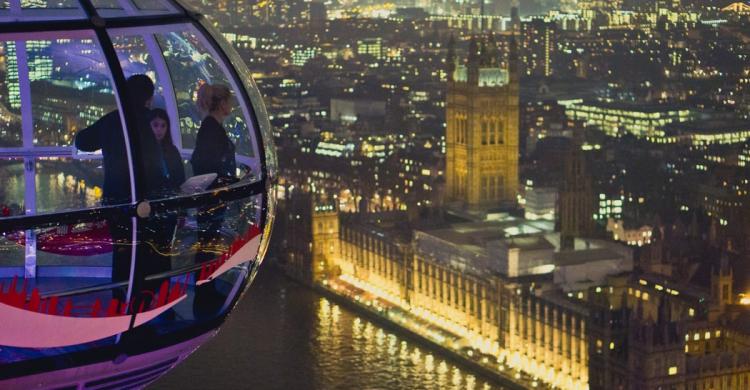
(214, 151)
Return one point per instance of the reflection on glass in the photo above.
(135, 59)
(56, 4)
(13, 188)
(106, 5)
(68, 184)
(101, 265)
(150, 5)
(86, 244)
(214, 255)
(14, 202)
(190, 66)
(114, 8)
(70, 88)
(10, 100)
(12, 251)
(261, 115)
(180, 279)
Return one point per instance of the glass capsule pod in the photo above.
(135, 171)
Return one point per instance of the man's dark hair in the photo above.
(140, 88)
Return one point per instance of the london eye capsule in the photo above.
(135, 171)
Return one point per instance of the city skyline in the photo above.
(551, 194)
(625, 224)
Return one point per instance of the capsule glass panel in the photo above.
(191, 64)
(110, 243)
(10, 100)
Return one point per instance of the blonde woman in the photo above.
(214, 151)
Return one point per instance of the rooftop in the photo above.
(708, 127)
(633, 106)
(529, 243)
(387, 224)
(479, 233)
(584, 256)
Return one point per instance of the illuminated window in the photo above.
(672, 370)
(691, 312)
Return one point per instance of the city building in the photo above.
(300, 54)
(482, 128)
(702, 133)
(576, 198)
(652, 96)
(631, 235)
(348, 110)
(600, 5)
(325, 235)
(618, 119)
(540, 202)
(372, 47)
(579, 318)
(738, 7)
(609, 206)
(317, 14)
(539, 39)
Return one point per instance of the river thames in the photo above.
(284, 335)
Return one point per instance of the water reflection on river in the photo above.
(284, 336)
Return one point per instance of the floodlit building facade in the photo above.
(482, 128)
(599, 329)
(618, 119)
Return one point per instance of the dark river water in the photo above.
(285, 336)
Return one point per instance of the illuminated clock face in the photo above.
(135, 162)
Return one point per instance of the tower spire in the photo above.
(481, 16)
(492, 51)
(472, 60)
(513, 58)
(451, 58)
(484, 59)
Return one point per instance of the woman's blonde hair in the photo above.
(210, 96)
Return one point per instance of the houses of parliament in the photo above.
(573, 310)
(481, 155)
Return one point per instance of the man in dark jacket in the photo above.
(106, 135)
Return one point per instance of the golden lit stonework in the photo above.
(482, 130)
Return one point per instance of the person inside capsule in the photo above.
(106, 134)
(213, 154)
